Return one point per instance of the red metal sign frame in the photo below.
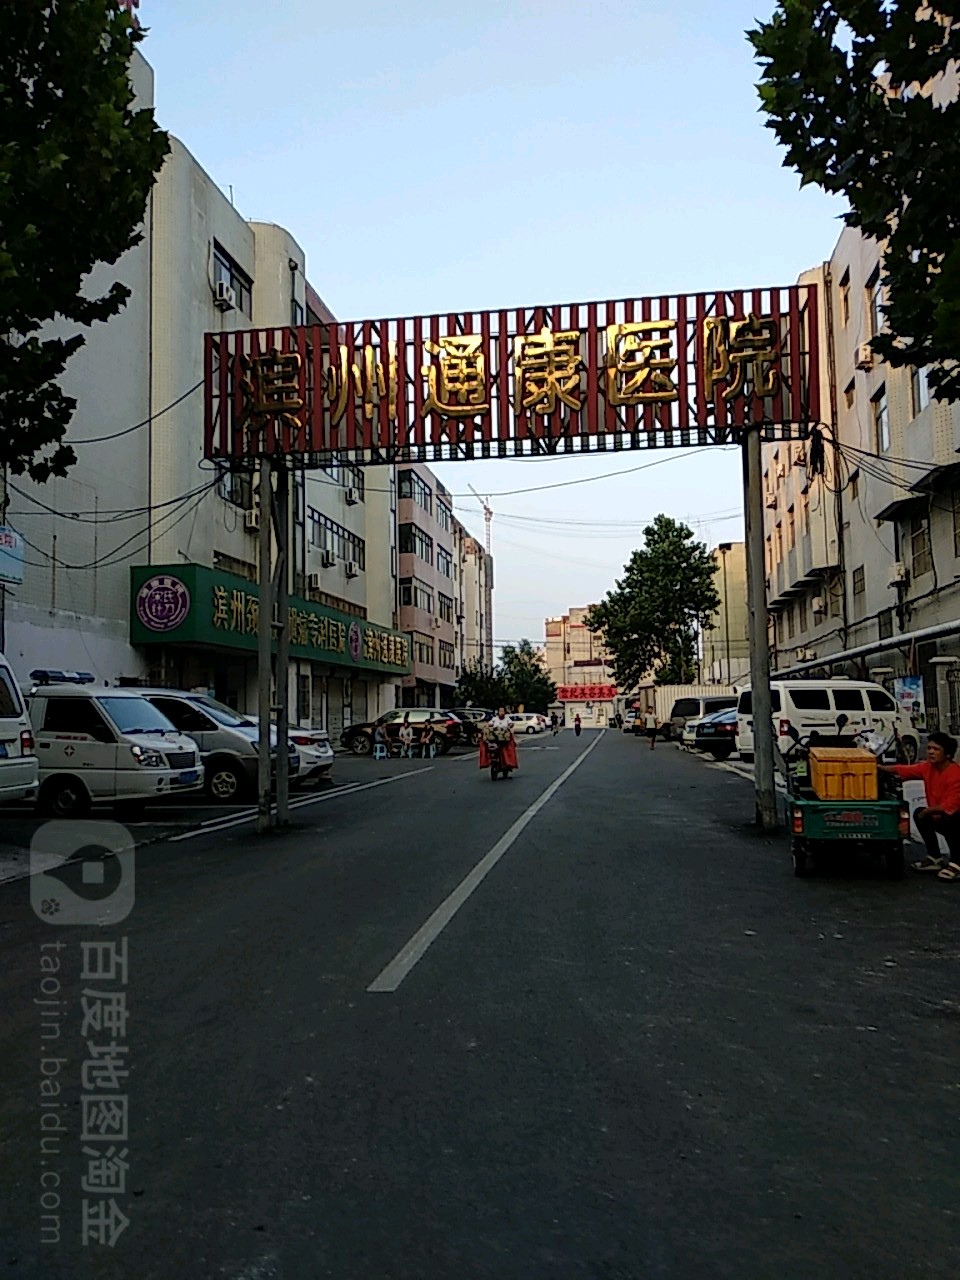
(641, 373)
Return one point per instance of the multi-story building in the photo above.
(428, 590)
(726, 645)
(574, 654)
(142, 561)
(474, 570)
(863, 563)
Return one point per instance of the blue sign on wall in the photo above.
(11, 555)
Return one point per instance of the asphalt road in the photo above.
(628, 1044)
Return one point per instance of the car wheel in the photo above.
(530, 730)
(911, 750)
(64, 798)
(225, 782)
(361, 744)
(443, 745)
(721, 753)
(801, 859)
(894, 862)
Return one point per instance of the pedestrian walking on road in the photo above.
(618, 720)
(554, 723)
(577, 726)
(650, 726)
(940, 775)
(406, 738)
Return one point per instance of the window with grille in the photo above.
(446, 607)
(859, 581)
(413, 541)
(328, 535)
(412, 486)
(921, 553)
(228, 271)
(444, 517)
(445, 562)
(416, 593)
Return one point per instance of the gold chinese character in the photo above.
(313, 631)
(370, 383)
(237, 610)
(221, 608)
(270, 388)
(458, 382)
(547, 367)
(636, 374)
(369, 644)
(253, 615)
(337, 635)
(733, 347)
(323, 634)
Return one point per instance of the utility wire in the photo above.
(116, 516)
(145, 423)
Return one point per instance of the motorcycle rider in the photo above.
(577, 726)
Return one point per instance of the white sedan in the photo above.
(316, 754)
(528, 722)
(688, 735)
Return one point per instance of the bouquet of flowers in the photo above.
(493, 734)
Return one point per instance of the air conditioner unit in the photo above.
(803, 655)
(898, 573)
(817, 604)
(864, 356)
(224, 298)
(352, 568)
(314, 581)
(328, 558)
(353, 496)
(251, 521)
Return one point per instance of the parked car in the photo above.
(228, 741)
(688, 734)
(527, 722)
(695, 708)
(113, 745)
(472, 720)
(447, 727)
(18, 752)
(809, 705)
(630, 719)
(315, 752)
(718, 734)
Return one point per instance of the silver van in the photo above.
(228, 741)
(695, 708)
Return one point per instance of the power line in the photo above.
(145, 423)
(96, 516)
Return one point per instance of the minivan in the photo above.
(107, 745)
(228, 741)
(18, 756)
(809, 705)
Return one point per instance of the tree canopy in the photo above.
(649, 622)
(76, 167)
(519, 679)
(862, 96)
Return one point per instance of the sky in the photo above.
(435, 157)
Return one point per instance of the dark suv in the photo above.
(447, 727)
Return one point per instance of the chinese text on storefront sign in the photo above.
(639, 373)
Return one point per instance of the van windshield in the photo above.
(135, 715)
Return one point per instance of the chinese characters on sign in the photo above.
(237, 612)
(586, 692)
(638, 373)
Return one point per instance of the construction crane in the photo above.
(487, 515)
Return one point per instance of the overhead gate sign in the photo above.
(691, 369)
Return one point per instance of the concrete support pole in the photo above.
(264, 644)
(282, 678)
(763, 764)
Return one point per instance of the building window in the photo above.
(227, 271)
(791, 529)
(423, 649)
(769, 556)
(413, 541)
(859, 581)
(875, 303)
(790, 624)
(345, 474)
(849, 393)
(444, 517)
(802, 614)
(417, 594)
(330, 536)
(778, 542)
(881, 420)
(885, 624)
(919, 391)
(445, 562)
(956, 522)
(446, 655)
(446, 608)
(921, 555)
(411, 486)
(296, 312)
(845, 298)
(854, 485)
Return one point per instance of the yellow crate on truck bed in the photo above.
(843, 773)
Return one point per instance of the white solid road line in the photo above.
(223, 824)
(398, 968)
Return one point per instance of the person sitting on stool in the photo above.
(427, 740)
(940, 776)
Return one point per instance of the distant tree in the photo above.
(76, 166)
(526, 678)
(481, 686)
(845, 87)
(649, 622)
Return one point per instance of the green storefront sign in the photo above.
(190, 604)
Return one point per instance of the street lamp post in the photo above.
(723, 548)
